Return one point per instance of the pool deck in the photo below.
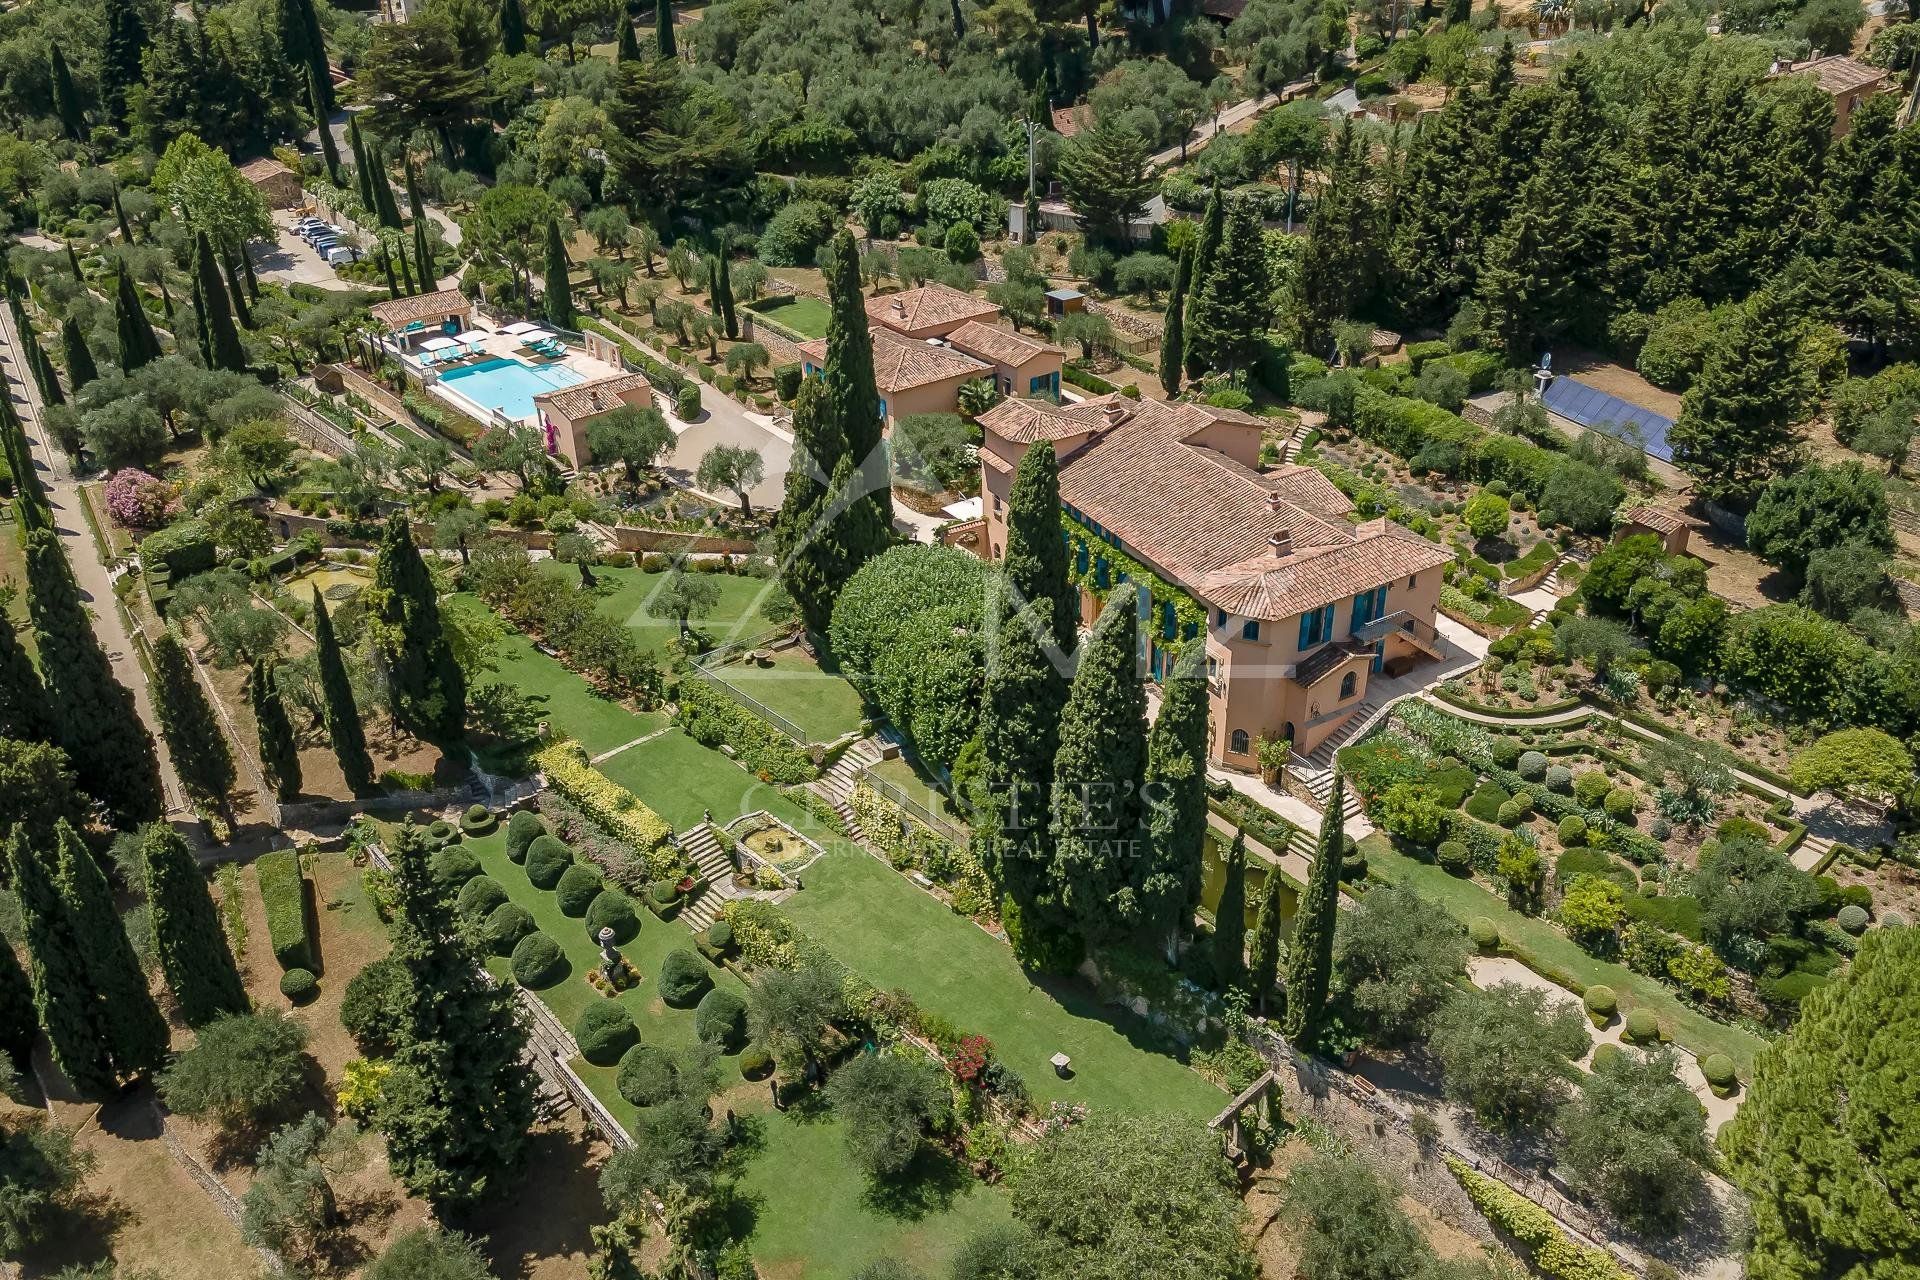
(494, 345)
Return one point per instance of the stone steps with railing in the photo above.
(715, 865)
(836, 785)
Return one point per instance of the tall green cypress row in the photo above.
(340, 715)
(66, 99)
(1173, 329)
(279, 752)
(30, 355)
(1206, 248)
(25, 713)
(120, 68)
(1020, 705)
(30, 509)
(557, 298)
(1177, 794)
(723, 294)
(1097, 776)
(422, 242)
(329, 150)
(242, 313)
(19, 1025)
(403, 612)
(220, 340)
(362, 166)
(186, 930)
(202, 335)
(81, 368)
(852, 395)
(1310, 956)
(513, 28)
(136, 1033)
(811, 567)
(48, 377)
(139, 344)
(384, 207)
(1230, 919)
(663, 29)
(63, 994)
(99, 728)
(199, 749)
(628, 50)
(1035, 562)
(1264, 970)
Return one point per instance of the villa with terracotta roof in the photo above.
(1022, 365)
(1301, 605)
(566, 413)
(932, 311)
(912, 377)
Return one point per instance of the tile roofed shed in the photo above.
(263, 168)
(1659, 519)
(931, 306)
(1002, 346)
(1838, 73)
(901, 363)
(398, 313)
(585, 399)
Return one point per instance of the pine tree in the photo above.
(852, 396)
(1230, 316)
(1206, 248)
(220, 340)
(100, 731)
(73, 347)
(1230, 919)
(136, 1033)
(458, 1104)
(339, 714)
(1177, 792)
(1264, 970)
(194, 740)
(66, 99)
(186, 930)
(1108, 178)
(422, 241)
(1021, 700)
(120, 68)
(811, 566)
(663, 29)
(1342, 258)
(1097, 774)
(329, 150)
(429, 692)
(513, 28)
(1430, 261)
(1310, 955)
(1735, 429)
(279, 752)
(362, 167)
(558, 294)
(25, 713)
(139, 344)
(19, 1025)
(381, 187)
(723, 294)
(1173, 328)
(63, 994)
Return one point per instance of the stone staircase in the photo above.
(713, 862)
(1315, 770)
(836, 785)
(1811, 850)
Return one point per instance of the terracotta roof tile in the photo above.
(397, 313)
(585, 399)
(903, 363)
(1656, 518)
(1838, 73)
(926, 307)
(1278, 586)
(262, 168)
(1001, 346)
(1030, 421)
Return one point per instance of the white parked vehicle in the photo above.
(342, 253)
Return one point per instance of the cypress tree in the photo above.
(339, 714)
(1097, 776)
(220, 340)
(513, 28)
(187, 721)
(381, 187)
(242, 313)
(1035, 562)
(723, 295)
(663, 29)
(1310, 955)
(1229, 319)
(1020, 705)
(1265, 967)
(1206, 247)
(279, 752)
(19, 1025)
(63, 994)
(73, 263)
(35, 360)
(202, 335)
(459, 1102)
(139, 344)
(386, 263)
(557, 299)
(429, 692)
(852, 396)
(629, 48)
(1177, 791)
(304, 44)
(99, 728)
(136, 1033)
(73, 347)
(30, 509)
(406, 272)
(120, 216)
(329, 150)
(120, 68)
(186, 930)
(25, 712)
(66, 99)
(1173, 328)
(1230, 919)
(811, 566)
(362, 168)
(422, 242)
(1343, 256)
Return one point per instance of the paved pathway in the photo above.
(1210, 128)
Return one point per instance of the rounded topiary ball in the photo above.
(443, 833)
(1484, 933)
(547, 861)
(612, 910)
(1560, 779)
(1532, 766)
(1619, 804)
(299, 985)
(523, 829)
(604, 1032)
(1454, 857)
(1572, 830)
(1591, 787)
(505, 925)
(721, 1019)
(1605, 1053)
(647, 1075)
(1720, 1073)
(538, 962)
(478, 897)
(720, 936)
(1512, 813)
(478, 820)
(683, 978)
(579, 886)
(1892, 920)
(1853, 918)
(453, 866)
(755, 1063)
(1641, 1026)
(1601, 1003)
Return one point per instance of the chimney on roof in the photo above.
(1280, 543)
(900, 308)
(1115, 414)
(1274, 500)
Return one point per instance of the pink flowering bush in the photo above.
(138, 500)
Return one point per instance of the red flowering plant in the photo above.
(137, 500)
(968, 1061)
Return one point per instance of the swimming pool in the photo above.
(508, 385)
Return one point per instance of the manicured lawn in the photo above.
(682, 780)
(565, 699)
(736, 616)
(821, 703)
(1551, 952)
(801, 312)
(895, 936)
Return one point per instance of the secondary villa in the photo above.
(1301, 606)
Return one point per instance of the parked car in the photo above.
(342, 254)
(303, 225)
(323, 229)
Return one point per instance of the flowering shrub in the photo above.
(969, 1061)
(606, 803)
(137, 500)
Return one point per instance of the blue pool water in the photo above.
(508, 385)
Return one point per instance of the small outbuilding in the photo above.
(1672, 528)
(278, 184)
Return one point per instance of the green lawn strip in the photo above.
(824, 705)
(881, 927)
(803, 313)
(1550, 952)
(682, 781)
(815, 1214)
(736, 616)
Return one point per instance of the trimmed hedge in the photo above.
(648, 1075)
(1721, 1077)
(505, 926)
(579, 886)
(683, 978)
(605, 1031)
(522, 830)
(299, 985)
(478, 820)
(538, 962)
(1454, 858)
(610, 806)
(478, 897)
(711, 718)
(1642, 1027)
(547, 861)
(453, 866)
(1601, 1004)
(1484, 933)
(612, 909)
(1553, 1253)
(721, 1019)
(755, 1063)
(283, 892)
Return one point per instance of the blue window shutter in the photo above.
(1100, 573)
(1326, 623)
(1306, 629)
(1250, 629)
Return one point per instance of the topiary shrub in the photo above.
(478, 820)
(1559, 779)
(579, 886)
(1605, 1053)
(478, 897)
(523, 829)
(547, 861)
(453, 866)
(612, 909)
(721, 1019)
(1601, 1004)
(755, 1063)
(299, 985)
(604, 1031)
(441, 833)
(538, 962)
(720, 936)
(1532, 766)
(1506, 752)
(375, 1007)
(505, 925)
(1619, 805)
(1572, 830)
(1454, 857)
(648, 1075)
(1485, 934)
(1853, 918)
(1892, 920)
(1721, 1077)
(1591, 787)
(1642, 1027)
(683, 978)
(1514, 811)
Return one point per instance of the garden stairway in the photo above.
(1315, 770)
(836, 785)
(715, 864)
